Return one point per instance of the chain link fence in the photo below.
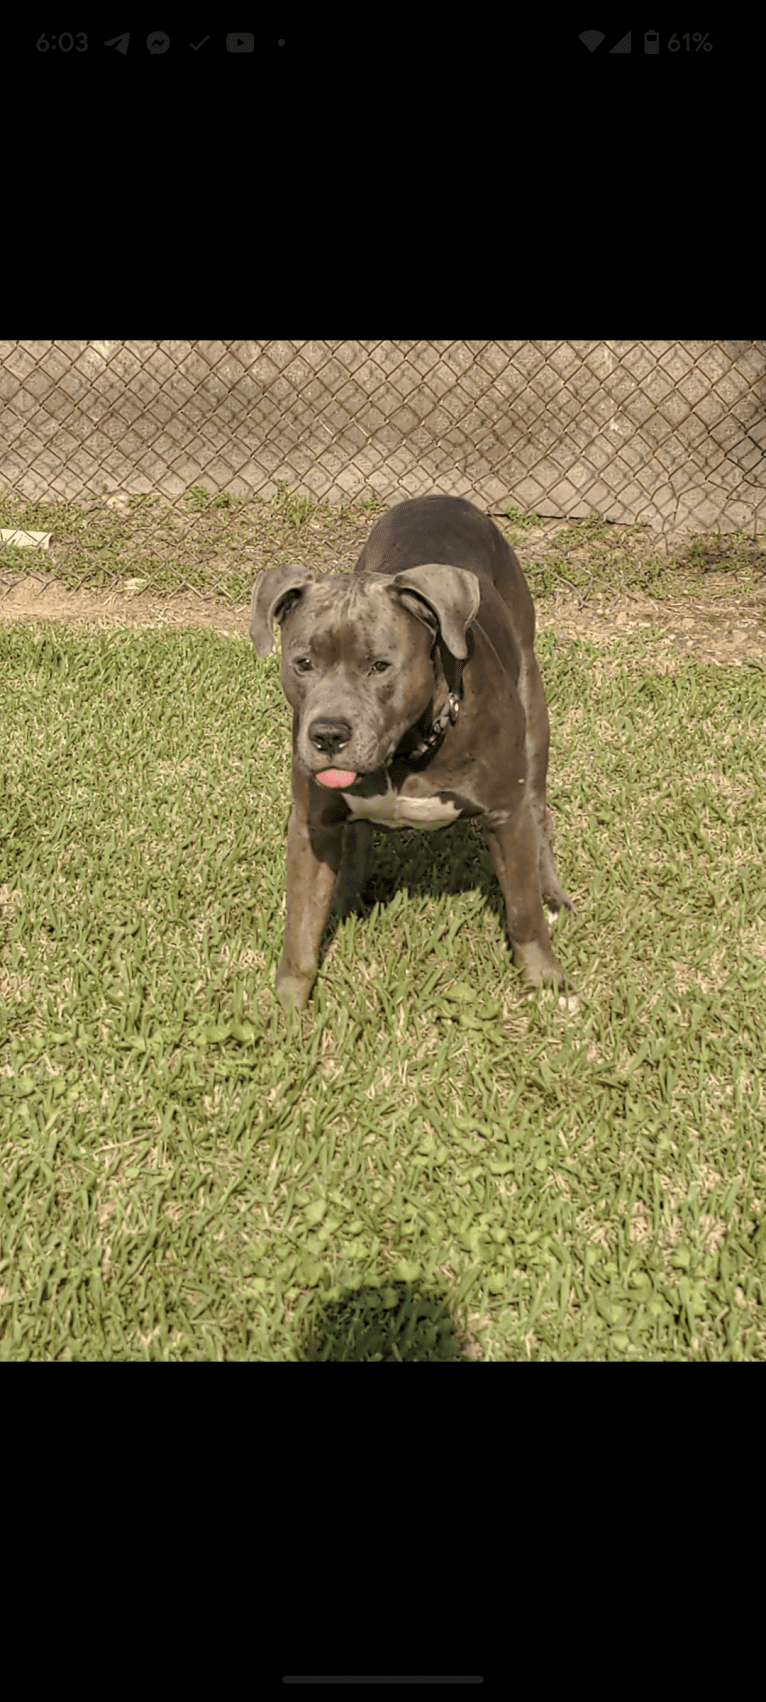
(668, 434)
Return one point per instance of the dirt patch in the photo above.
(718, 615)
(43, 598)
(723, 625)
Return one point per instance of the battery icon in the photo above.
(651, 42)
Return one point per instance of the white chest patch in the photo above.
(392, 809)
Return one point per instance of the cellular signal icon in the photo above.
(593, 39)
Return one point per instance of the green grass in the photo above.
(186, 1174)
(213, 545)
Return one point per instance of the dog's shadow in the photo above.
(454, 859)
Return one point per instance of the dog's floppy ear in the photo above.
(435, 593)
(274, 593)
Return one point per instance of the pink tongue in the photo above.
(342, 777)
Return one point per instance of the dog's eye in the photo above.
(380, 666)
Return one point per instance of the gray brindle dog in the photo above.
(417, 699)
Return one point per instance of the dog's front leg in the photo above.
(313, 860)
(513, 847)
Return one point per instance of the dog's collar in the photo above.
(447, 717)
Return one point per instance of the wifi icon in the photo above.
(592, 39)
